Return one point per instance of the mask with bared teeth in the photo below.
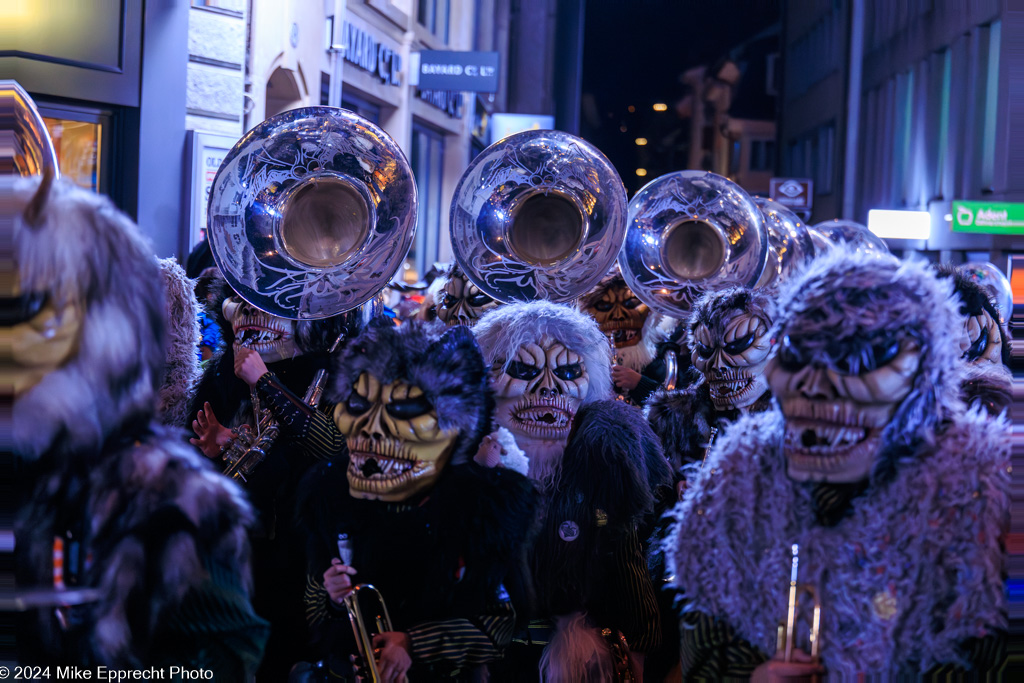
(546, 361)
(730, 345)
(271, 337)
(411, 401)
(862, 374)
(618, 311)
(460, 302)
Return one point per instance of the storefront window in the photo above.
(428, 167)
(78, 145)
(368, 110)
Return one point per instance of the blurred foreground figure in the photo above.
(894, 491)
(120, 516)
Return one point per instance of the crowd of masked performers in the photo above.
(529, 500)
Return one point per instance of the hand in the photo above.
(249, 367)
(625, 378)
(337, 581)
(213, 436)
(802, 668)
(490, 452)
(394, 656)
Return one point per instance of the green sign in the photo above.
(995, 218)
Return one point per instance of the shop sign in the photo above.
(458, 71)
(366, 52)
(207, 153)
(448, 102)
(796, 194)
(993, 218)
(503, 125)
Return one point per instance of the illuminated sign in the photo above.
(994, 218)
(459, 71)
(901, 225)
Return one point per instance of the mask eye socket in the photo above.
(739, 345)
(790, 357)
(409, 408)
(356, 404)
(978, 347)
(704, 351)
(21, 309)
(448, 301)
(603, 306)
(884, 352)
(633, 303)
(478, 299)
(570, 372)
(519, 370)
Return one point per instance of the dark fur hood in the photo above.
(445, 363)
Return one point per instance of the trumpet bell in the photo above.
(538, 215)
(311, 213)
(790, 244)
(689, 232)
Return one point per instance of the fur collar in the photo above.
(911, 573)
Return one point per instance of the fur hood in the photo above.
(445, 363)
(847, 294)
(501, 331)
(86, 253)
(711, 310)
(910, 574)
(183, 336)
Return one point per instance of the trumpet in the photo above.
(367, 620)
(787, 631)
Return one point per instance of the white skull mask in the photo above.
(981, 340)
(461, 302)
(733, 361)
(838, 400)
(271, 337)
(539, 391)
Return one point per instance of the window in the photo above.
(762, 155)
(427, 161)
(366, 109)
(79, 138)
(433, 15)
(812, 155)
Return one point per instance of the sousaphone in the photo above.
(690, 232)
(538, 215)
(312, 213)
(790, 244)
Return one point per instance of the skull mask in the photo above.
(396, 446)
(730, 346)
(271, 337)
(619, 313)
(410, 401)
(460, 302)
(540, 390)
(867, 367)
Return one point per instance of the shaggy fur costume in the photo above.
(503, 330)
(165, 535)
(446, 553)
(683, 418)
(183, 336)
(915, 567)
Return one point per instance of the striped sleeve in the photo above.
(636, 602)
(711, 651)
(311, 430)
(464, 642)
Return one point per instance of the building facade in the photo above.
(930, 87)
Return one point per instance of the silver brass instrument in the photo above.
(851, 234)
(538, 215)
(29, 150)
(690, 232)
(787, 632)
(311, 214)
(790, 245)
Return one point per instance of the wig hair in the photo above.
(445, 363)
(183, 337)
(79, 250)
(501, 331)
(973, 300)
(716, 309)
(855, 296)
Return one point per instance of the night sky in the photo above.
(634, 53)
